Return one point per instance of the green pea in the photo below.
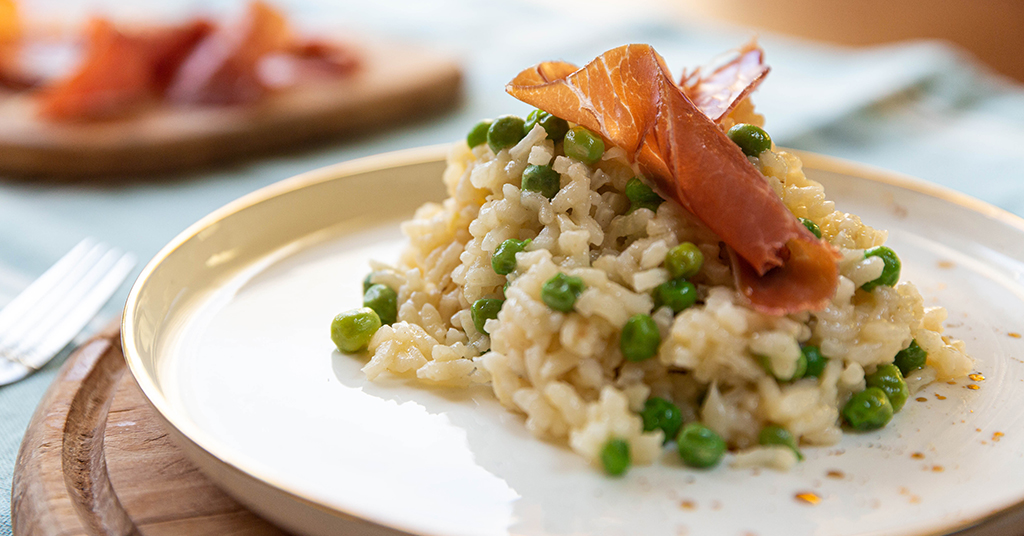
(504, 132)
(504, 259)
(642, 196)
(640, 338)
(660, 414)
(684, 260)
(869, 409)
(554, 126)
(777, 435)
(384, 301)
(615, 456)
(911, 358)
(699, 446)
(541, 179)
(812, 227)
(583, 145)
(352, 330)
(815, 361)
(560, 292)
(478, 134)
(891, 271)
(753, 140)
(483, 310)
(889, 379)
(679, 294)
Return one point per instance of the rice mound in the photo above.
(565, 372)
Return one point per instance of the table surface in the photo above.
(922, 108)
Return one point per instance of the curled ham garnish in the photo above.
(627, 95)
(716, 90)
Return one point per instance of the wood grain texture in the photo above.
(96, 461)
(396, 83)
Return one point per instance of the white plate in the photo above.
(227, 333)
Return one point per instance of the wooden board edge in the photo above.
(44, 501)
(173, 142)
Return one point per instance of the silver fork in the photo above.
(51, 311)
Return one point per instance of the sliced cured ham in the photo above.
(628, 96)
(120, 71)
(716, 90)
(239, 63)
(196, 63)
(223, 69)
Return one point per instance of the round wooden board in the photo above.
(96, 460)
(395, 83)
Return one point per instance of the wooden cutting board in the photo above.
(396, 83)
(96, 461)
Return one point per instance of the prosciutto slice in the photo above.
(223, 69)
(195, 63)
(717, 90)
(120, 71)
(242, 62)
(627, 95)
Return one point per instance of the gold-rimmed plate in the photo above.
(226, 331)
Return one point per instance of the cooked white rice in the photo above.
(564, 371)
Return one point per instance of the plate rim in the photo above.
(434, 153)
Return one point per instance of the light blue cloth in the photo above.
(921, 108)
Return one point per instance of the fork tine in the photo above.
(73, 319)
(50, 298)
(63, 297)
(71, 297)
(23, 303)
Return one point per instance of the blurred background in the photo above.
(991, 30)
